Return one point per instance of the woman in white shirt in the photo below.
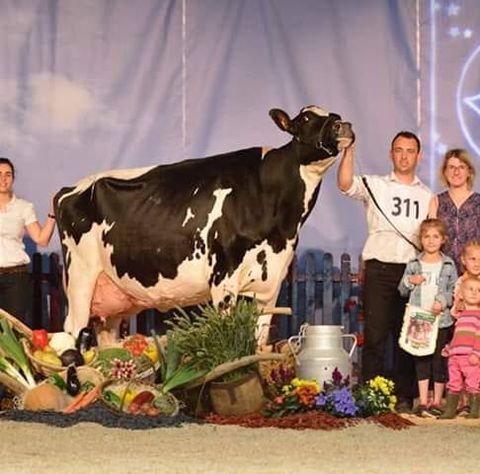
(16, 217)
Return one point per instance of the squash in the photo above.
(44, 397)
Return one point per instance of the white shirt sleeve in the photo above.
(357, 189)
(29, 214)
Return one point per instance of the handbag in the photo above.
(419, 331)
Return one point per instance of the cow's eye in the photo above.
(305, 118)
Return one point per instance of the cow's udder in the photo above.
(109, 301)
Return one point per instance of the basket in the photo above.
(16, 324)
(44, 368)
(167, 403)
(146, 370)
(84, 374)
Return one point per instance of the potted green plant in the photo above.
(223, 343)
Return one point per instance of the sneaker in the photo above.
(463, 411)
(422, 411)
(435, 411)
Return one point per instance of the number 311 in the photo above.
(405, 206)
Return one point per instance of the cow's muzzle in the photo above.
(345, 135)
(335, 136)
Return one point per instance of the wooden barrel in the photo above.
(239, 397)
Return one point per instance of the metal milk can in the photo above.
(318, 350)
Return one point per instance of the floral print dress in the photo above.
(463, 224)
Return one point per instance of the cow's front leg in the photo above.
(81, 285)
(227, 295)
(265, 320)
(263, 327)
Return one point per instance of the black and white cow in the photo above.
(200, 230)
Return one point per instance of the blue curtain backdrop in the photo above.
(90, 85)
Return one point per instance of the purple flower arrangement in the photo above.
(287, 394)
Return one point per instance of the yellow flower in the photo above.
(381, 384)
(310, 384)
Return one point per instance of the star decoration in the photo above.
(441, 148)
(453, 9)
(467, 33)
(474, 103)
(454, 31)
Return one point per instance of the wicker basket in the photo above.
(121, 386)
(16, 324)
(44, 368)
(84, 374)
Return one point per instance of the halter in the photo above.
(319, 145)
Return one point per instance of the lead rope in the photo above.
(367, 187)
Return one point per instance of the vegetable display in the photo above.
(41, 368)
(13, 360)
(60, 349)
(40, 338)
(136, 398)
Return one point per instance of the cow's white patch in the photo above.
(195, 191)
(311, 175)
(316, 110)
(189, 215)
(84, 183)
(216, 212)
(250, 272)
(86, 263)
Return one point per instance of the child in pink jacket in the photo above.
(463, 352)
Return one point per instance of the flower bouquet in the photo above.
(375, 397)
(287, 395)
(337, 397)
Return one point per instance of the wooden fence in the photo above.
(317, 291)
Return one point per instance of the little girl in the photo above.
(464, 352)
(429, 280)
(470, 259)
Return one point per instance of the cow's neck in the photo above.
(302, 170)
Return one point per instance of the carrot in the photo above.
(82, 400)
(72, 406)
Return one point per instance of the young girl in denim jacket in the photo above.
(429, 280)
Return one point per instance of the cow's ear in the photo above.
(282, 120)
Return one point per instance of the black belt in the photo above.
(374, 261)
(15, 269)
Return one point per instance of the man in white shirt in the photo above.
(390, 244)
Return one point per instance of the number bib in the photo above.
(405, 206)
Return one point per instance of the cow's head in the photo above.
(315, 127)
